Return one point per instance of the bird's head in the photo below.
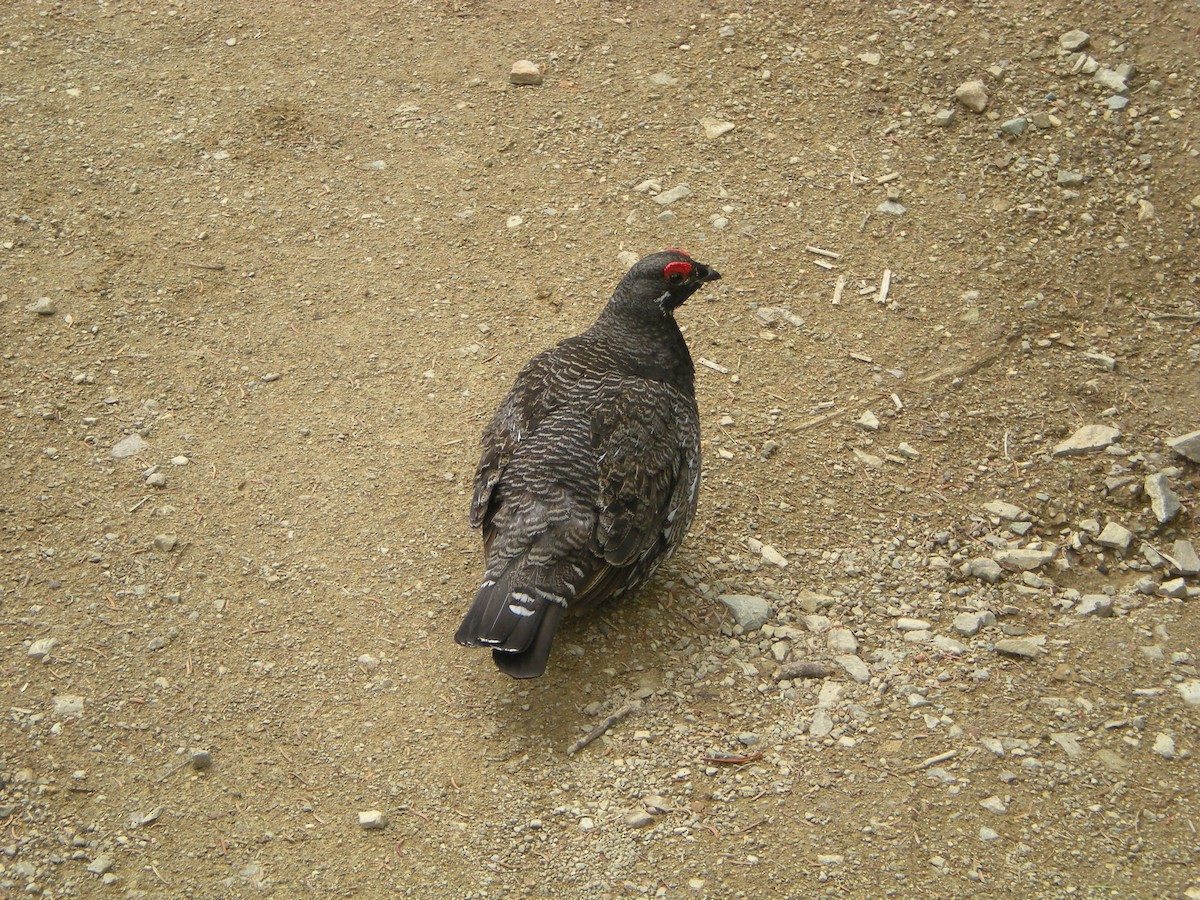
(661, 281)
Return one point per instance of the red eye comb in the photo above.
(678, 267)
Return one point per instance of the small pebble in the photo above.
(372, 820)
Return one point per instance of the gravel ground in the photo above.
(266, 270)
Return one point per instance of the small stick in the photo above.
(732, 760)
(716, 367)
(817, 250)
(934, 760)
(885, 285)
(600, 729)
(823, 264)
(837, 290)
(888, 178)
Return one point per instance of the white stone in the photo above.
(1116, 536)
(372, 820)
(525, 72)
(1164, 502)
(666, 198)
(41, 648)
(1087, 440)
(1187, 445)
(973, 95)
(714, 128)
(841, 640)
(1164, 745)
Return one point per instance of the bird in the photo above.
(589, 469)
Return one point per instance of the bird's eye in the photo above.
(677, 270)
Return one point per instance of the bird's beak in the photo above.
(705, 273)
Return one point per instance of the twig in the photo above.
(934, 760)
(600, 729)
(884, 285)
(727, 759)
(837, 290)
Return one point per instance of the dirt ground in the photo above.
(301, 249)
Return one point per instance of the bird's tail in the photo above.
(517, 623)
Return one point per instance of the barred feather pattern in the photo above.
(589, 473)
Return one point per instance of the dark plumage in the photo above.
(590, 467)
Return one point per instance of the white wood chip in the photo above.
(885, 285)
(837, 290)
(716, 367)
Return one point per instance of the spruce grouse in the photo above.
(590, 467)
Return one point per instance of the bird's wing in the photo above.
(648, 450)
(538, 390)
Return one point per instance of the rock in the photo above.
(944, 118)
(68, 706)
(1176, 588)
(773, 556)
(714, 128)
(1164, 502)
(1024, 559)
(748, 611)
(994, 805)
(968, 624)
(156, 480)
(666, 198)
(1074, 40)
(100, 865)
(907, 624)
(1110, 79)
(972, 95)
(1116, 102)
(830, 859)
(854, 667)
(1099, 605)
(1187, 445)
(1101, 360)
(1112, 761)
(868, 421)
(821, 724)
(1190, 692)
(1088, 439)
(988, 834)
(1005, 512)
(908, 452)
(130, 445)
(372, 820)
(165, 542)
(662, 79)
(1186, 560)
(639, 818)
(1118, 537)
(1067, 178)
(41, 649)
(1015, 126)
(200, 760)
(523, 72)
(42, 306)
(1164, 745)
(1069, 744)
(1030, 648)
(985, 570)
(949, 645)
(891, 208)
(841, 641)
(870, 460)
(870, 58)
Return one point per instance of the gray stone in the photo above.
(68, 706)
(1190, 692)
(821, 724)
(100, 865)
(130, 445)
(1006, 512)
(41, 648)
(1164, 745)
(994, 805)
(748, 611)
(985, 570)
(841, 640)
(1099, 605)
(714, 128)
(867, 421)
(968, 624)
(1111, 79)
(1074, 40)
(908, 452)
(973, 95)
(42, 306)
(906, 624)
(988, 834)
(165, 542)
(1176, 588)
(1024, 559)
(1164, 502)
(666, 198)
(662, 79)
(1187, 445)
(1186, 560)
(891, 208)
(372, 820)
(1101, 360)
(944, 118)
(949, 645)
(200, 760)
(1030, 648)
(639, 818)
(1069, 743)
(854, 667)
(1116, 102)
(1118, 537)
(1015, 126)
(1067, 178)
(1088, 439)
